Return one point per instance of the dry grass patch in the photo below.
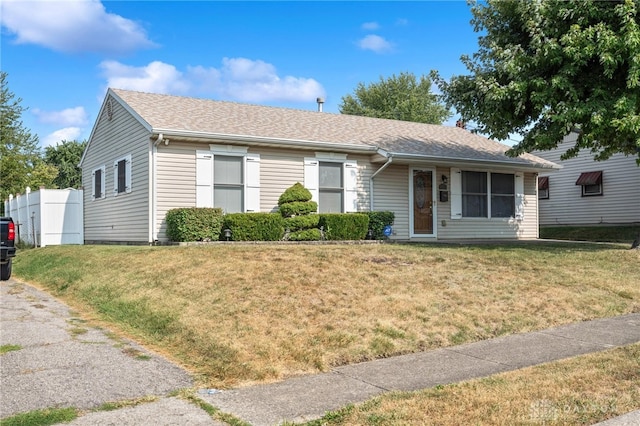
(578, 391)
(240, 314)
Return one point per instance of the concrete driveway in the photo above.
(63, 362)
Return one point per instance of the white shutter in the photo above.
(103, 179)
(127, 171)
(115, 177)
(312, 177)
(350, 186)
(455, 181)
(204, 179)
(93, 185)
(519, 187)
(252, 186)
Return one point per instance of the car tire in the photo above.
(5, 271)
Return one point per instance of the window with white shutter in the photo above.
(98, 186)
(122, 175)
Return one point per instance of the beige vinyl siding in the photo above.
(488, 228)
(620, 199)
(125, 217)
(391, 193)
(279, 169)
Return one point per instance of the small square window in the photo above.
(591, 183)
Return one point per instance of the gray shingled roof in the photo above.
(184, 114)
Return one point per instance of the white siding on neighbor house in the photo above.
(620, 199)
(279, 169)
(125, 217)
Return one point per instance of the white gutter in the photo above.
(384, 166)
(463, 161)
(261, 139)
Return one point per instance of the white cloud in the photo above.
(156, 77)
(67, 117)
(370, 26)
(72, 26)
(375, 43)
(239, 79)
(66, 134)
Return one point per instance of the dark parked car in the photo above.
(7, 247)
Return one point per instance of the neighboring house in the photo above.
(149, 153)
(588, 192)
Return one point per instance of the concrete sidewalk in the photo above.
(62, 362)
(310, 397)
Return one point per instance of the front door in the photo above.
(422, 202)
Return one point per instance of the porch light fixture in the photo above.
(227, 233)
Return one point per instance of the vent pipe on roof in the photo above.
(320, 101)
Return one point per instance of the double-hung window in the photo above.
(474, 194)
(331, 188)
(591, 183)
(333, 182)
(97, 186)
(503, 196)
(229, 178)
(478, 194)
(122, 175)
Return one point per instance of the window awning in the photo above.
(590, 178)
(543, 182)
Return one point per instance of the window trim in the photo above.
(349, 179)
(250, 174)
(456, 194)
(103, 192)
(127, 175)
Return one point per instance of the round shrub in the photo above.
(294, 193)
(298, 208)
(306, 235)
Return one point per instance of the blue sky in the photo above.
(61, 56)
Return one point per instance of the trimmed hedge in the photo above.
(296, 223)
(254, 226)
(298, 208)
(344, 226)
(306, 235)
(377, 222)
(294, 193)
(194, 224)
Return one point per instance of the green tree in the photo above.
(21, 162)
(66, 157)
(549, 67)
(400, 97)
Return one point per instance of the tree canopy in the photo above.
(21, 162)
(400, 97)
(547, 68)
(65, 157)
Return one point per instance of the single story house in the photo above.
(149, 153)
(588, 192)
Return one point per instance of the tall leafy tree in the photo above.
(402, 97)
(21, 162)
(546, 68)
(65, 157)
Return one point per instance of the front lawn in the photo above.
(242, 314)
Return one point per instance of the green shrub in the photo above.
(344, 226)
(377, 222)
(305, 235)
(194, 224)
(254, 226)
(298, 208)
(296, 192)
(297, 223)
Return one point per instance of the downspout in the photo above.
(384, 166)
(152, 183)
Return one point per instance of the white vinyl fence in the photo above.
(47, 216)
